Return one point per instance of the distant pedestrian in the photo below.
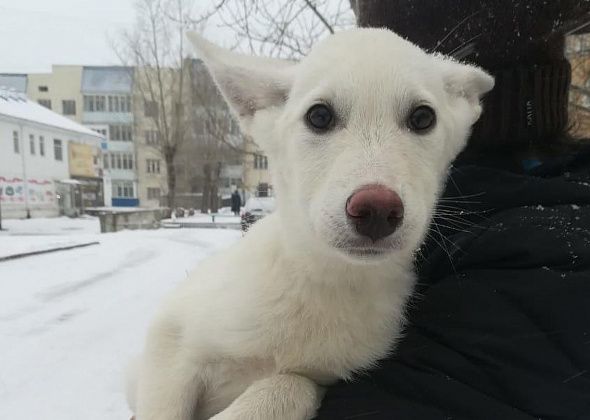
(236, 203)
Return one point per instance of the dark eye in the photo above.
(422, 119)
(320, 117)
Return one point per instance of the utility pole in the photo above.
(25, 179)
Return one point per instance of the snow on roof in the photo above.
(15, 81)
(16, 105)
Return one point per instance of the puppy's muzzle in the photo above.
(375, 211)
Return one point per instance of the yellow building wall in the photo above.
(63, 83)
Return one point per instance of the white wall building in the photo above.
(34, 157)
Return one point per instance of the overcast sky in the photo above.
(34, 34)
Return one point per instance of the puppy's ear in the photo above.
(249, 84)
(469, 82)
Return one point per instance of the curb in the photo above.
(46, 251)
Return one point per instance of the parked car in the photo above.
(255, 209)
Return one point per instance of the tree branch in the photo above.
(319, 15)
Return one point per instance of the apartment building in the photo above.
(58, 90)
(209, 165)
(107, 108)
(210, 161)
(100, 98)
(151, 167)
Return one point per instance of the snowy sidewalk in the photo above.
(70, 321)
(22, 237)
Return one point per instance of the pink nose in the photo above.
(375, 210)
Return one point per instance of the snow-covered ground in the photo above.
(70, 321)
(42, 234)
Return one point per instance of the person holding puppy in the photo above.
(500, 326)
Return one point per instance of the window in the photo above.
(58, 150)
(68, 107)
(129, 133)
(43, 89)
(94, 103)
(105, 159)
(263, 189)
(126, 104)
(151, 109)
(117, 103)
(260, 162)
(123, 189)
(123, 161)
(114, 104)
(115, 132)
(152, 138)
(16, 143)
(32, 143)
(121, 132)
(153, 166)
(42, 145)
(100, 103)
(88, 104)
(127, 161)
(45, 102)
(153, 193)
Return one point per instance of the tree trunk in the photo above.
(170, 178)
(206, 188)
(214, 196)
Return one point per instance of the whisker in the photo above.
(443, 245)
(479, 194)
(469, 44)
(455, 29)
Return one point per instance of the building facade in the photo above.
(100, 98)
(107, 94)
(151, 167)
(209, 165)
(257, 178)
(211, 160)
(35, 171)
(58, 91)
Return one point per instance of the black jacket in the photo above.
(500, 325)
(236, 201)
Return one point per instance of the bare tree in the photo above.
(156, 50)
(189, 117)
(286, 28)
(213, 140)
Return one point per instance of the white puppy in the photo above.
(360, 135)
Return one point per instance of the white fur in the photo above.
(257, 330)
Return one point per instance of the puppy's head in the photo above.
(360, 134)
